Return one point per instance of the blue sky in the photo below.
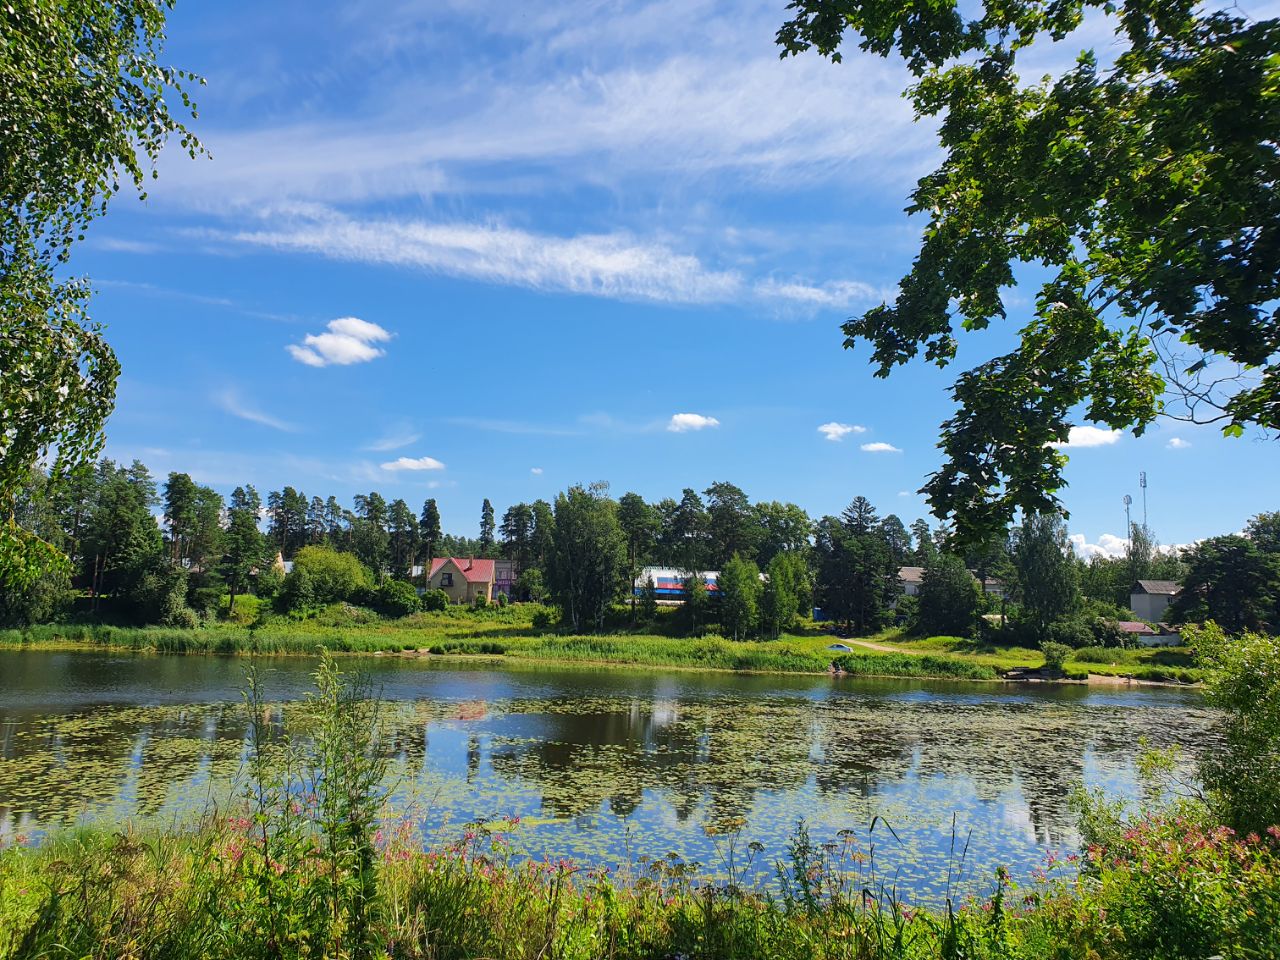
(505, 249)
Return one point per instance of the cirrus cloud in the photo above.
(413, 463)
(348, 340)
(684, 422)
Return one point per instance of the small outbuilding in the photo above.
(1149, 599)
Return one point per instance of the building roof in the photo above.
(911, 574)
(473, 571)
(1134, 626)
(1164, 588)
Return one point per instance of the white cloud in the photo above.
(684, 422)
(904, 493)
(349, 340)
(230, 401)
(838, 431)
(833, 293)
(880, 447)
(414, 463)
(1081, 437)
(1177, 443)
(394, 440)
(536, 471)
(613, 265)
(1108, 545)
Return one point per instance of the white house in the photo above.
(1149, 599)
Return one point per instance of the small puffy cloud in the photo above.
(1081, 437)
(880, 446)
(414, 463)
(836, 432)
(684, 422)
(348, 340)
(904, 493)
(1108, 545)
(1177, 443)
(536, 471)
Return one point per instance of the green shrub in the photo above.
(398, 599)
(333, 575)
(1072, 633)
(435, 600)
(480, 602)
(1055, 655)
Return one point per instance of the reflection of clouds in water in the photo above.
(605, 767)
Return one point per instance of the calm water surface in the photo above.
(609, 765)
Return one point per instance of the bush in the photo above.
(480, 602)
(503, 600)
(334, 575)
(1055, 655)
(542, 619)
(1072, 633)
(435, 601)
(398, 599)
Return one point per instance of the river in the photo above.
(611, 765)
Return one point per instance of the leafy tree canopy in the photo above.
(1144, 186)
(83, 110)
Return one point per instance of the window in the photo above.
(446, 579)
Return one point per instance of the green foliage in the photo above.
(398, 599)
(1243, 775)
(83, 99)
(531, 586)
(948, 598)
(1232, 581)
(1047, 588)
(589, 556)
(786, 592)
(1072, 632)
(480, 602)
(435, 600)
(1143, 187)
(740, 593)
(649, 600)
(332, 574)
(857, 581)
(1055, 655)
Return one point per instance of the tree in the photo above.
(370, 539)
(948, 599)
(1264, 530)
(1046, 583)
(429, 530)
(287, 510)
(1230, 581)
(784, 527)
(402, 533)
(331, 575)
(245, 547)
(739, 597)
(517, 534)
(784, 590)
(857, 579)
(697, 602)
(589, 556)
(896, 538)
(486, 527)
(649, 600)
(640, 527)
(1144, 187)
(179, 513)
(121, 540)
(83, 102)
(688, 532)
(731, 524)
(925, 549)
(542, 540)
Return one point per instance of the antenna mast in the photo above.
(1142, 482)
(1128, 524)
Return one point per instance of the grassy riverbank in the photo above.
(1165, 889)
(510, 633)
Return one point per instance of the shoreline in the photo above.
(509, 659)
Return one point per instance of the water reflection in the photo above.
(605, 765)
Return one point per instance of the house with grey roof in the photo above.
(1149, 599)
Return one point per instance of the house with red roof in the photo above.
(462, 579)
